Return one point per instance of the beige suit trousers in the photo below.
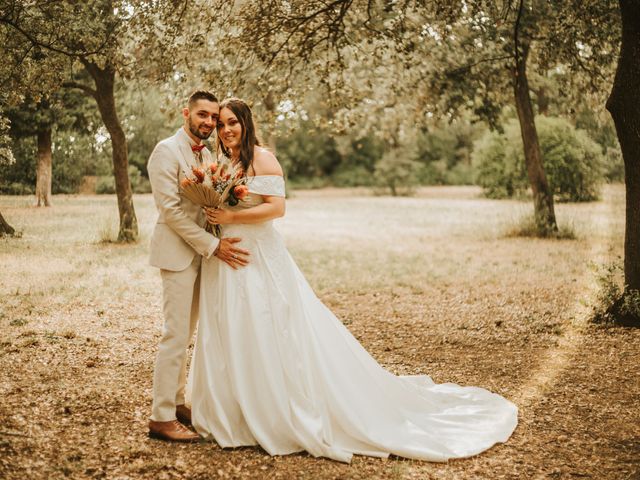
(180, 294)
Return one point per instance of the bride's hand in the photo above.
(219, 216)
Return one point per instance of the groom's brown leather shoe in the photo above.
(172, 431)
(183, 413)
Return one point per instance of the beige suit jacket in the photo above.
(179, 233)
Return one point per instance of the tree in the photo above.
(624, 106)
(410, 61)
(37, 118)
(91, 46)
(544, 212)
(87, 37)
(6, 156)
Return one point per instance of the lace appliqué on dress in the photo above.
(267, 185)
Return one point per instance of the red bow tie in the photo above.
(197, 148)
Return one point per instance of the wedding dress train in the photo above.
(273, 366)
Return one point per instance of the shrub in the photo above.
(396, 173)
(105, 184)
(499, 172)
(73, 158)
(573, 162)
(142, 186)
(17, 188)
(19, 178)
(352, 176)
(613, 165)
(308, 152)
(445, 152)
(610, 280)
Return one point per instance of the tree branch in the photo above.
(85, 88)
(464, 68)
(48, 46)
(516, 32)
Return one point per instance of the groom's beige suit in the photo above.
(178, 244)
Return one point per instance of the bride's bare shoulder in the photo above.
(265, 162)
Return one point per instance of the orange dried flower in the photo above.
(239, 174)
(185, 182)
(198, 173)
(213, 167)
(240, 191)
(227, 177)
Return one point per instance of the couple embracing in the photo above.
(272, 365)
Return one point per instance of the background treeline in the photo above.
(580, 150)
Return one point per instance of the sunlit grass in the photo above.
(344, 242)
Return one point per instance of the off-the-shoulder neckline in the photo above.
(258, 176)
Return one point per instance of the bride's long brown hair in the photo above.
(248, 140)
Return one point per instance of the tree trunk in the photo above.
(542, 101)
(105, 79)
(5, 228)
(43, 171)
(624, 106)
(542, 197)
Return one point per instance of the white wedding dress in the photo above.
(274, 367)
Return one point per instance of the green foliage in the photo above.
(19, 177)
(603, 131)
(396, 173)
(613, 299)
(445, 153)
(308, 152)
(353, 176)
(73, 158)
(145, 121)
(106, 184)
(631, 303)
(573, 162)
(609, 278)
(315, 157)
(6, 155)
(613, 164)
(499, 172)
(358, 160)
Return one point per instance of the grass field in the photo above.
(428, 284)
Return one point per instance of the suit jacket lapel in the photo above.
(186, 157)
(185, 150)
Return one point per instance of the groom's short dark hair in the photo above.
(201, 95)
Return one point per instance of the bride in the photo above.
(274, 367)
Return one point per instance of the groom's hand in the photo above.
(233, 256)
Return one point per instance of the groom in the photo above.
(178, 244)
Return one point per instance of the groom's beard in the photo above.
(196, 131)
